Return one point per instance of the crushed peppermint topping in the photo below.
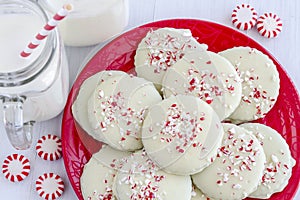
(165, 49)
(236, 186)
(259, 136)
(274, 159)
(114, 111)
(107, 195)
(228, 79)
(237, 154)
(203, 84)
(272, 168)
(148, 188)
(270, 171)
(181, 128)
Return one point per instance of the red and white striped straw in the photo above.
(51, 24)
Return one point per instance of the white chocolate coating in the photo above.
(260, 82)
(279, 162)
(117, 107)
(237, 169)
(139, 178)
(162, 48)
(182, 134)
(98, 174)
(198, 194)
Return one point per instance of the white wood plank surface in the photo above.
(286, 48)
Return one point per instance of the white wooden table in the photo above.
(285, 48)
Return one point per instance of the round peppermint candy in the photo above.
(49, 147)
(49, 186)
(244, 17)
(269, 25)
(16, 167)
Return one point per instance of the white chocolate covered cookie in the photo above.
(96, 181)
(279, 162)
(116, 110)
(260, 82)
(161, 49)
(139, 178)
(79, 107)
(237, 170)
(182, 134)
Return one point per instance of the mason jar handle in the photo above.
(18, 132)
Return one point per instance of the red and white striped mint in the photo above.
(244, 17)
(49, 147)
(269, 25)
(16, 167)
(49, 186)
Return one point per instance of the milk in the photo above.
(46, 94)
(14, 38)
(91, 21)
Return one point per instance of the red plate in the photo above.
(118, 55)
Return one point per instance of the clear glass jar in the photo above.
(35, 88)
(91, 21)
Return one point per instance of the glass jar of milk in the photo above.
(35, 88)
(91, 21)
